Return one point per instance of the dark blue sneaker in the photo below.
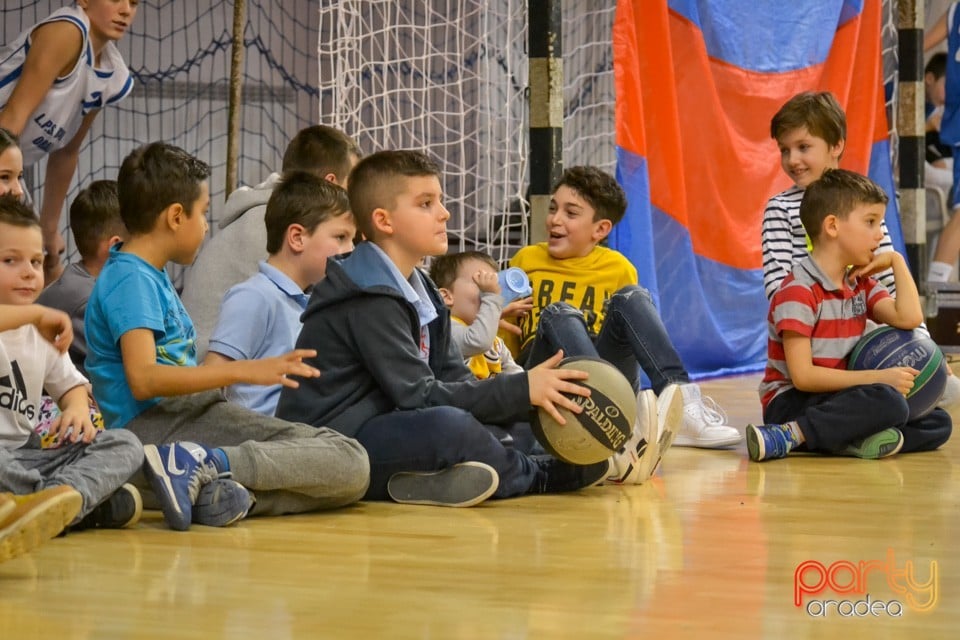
(177, 475)
(221, 503)
(769, 441)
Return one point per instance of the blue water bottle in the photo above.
(514, 284)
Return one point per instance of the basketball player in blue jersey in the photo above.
(947, 27)
(54, 79)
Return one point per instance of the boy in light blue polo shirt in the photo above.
(308, 220)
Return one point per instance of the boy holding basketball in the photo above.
(810, 401)
(811, 131)
(587, 302)
(392, 376)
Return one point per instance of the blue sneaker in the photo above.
(769, 441)
(177, 474)
(221, 503)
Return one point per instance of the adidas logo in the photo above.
(14, 398)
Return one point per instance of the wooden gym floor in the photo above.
(708, 550)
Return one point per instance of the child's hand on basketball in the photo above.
(519, 309)
(487, 281)
(900, 378)
(549, 384)
(278, 370)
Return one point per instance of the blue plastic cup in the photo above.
(514, 284)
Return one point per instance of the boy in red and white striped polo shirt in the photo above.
(810, 400)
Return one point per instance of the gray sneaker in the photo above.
(221, 502)
(461, 485)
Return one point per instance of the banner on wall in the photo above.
(697, 84)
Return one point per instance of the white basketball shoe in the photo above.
(625, 465)
(658, 420)
(704, 422)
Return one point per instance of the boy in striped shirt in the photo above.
(817, 316)
(811, 132)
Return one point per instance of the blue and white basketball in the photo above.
(890, 347)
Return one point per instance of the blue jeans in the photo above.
(832, 421)
(435, 438)
(632, 334)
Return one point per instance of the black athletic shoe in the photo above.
(119, 511)
(557, 476)
(460, 485)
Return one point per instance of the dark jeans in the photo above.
(832, 421)
(632, 334)
(433, 439)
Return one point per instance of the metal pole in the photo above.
(236, 96)
(546, 108)
(910, 126)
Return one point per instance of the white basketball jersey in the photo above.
(86, 88)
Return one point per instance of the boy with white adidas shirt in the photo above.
(33, 344)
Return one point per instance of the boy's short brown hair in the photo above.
(375, 182)
(598, 188)
(16, 213)
(95, 216)
(303, 198)
(444, 269)
(819, 112)
(838, 192)
(936, 65)
(153, 177)
(321, 150)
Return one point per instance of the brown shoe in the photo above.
(36, 518)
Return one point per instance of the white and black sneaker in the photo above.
(626, 467)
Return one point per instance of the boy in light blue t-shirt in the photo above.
(142, 361)
(308, 220)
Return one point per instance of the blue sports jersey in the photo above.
(950, 126)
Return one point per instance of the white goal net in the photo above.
(449, 77)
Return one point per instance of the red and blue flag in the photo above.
(697, 84)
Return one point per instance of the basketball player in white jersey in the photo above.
(54, 79)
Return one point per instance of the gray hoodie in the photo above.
(228, 257)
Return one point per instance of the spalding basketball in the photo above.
(604, 425)
(890, 347)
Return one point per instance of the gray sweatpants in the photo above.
(290, 467)
(96, 470)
